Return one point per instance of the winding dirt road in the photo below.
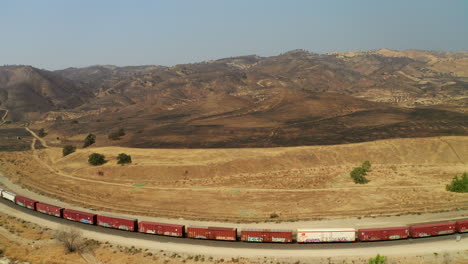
(201, 188)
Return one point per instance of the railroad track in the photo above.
(230, 244)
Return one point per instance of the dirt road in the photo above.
(4, 116)
(231, 249)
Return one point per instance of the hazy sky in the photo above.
(60, 34)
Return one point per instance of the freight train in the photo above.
(309, 235)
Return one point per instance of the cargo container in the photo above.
(78, 216)
(128, 224)
(434, 229)
(26, 202)
(386, 233)
(207, 232)
(462, 226)
(326, 235)
(8, 195)
(161, 229)
(266, 235)
(49, 209)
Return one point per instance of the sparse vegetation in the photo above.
(42, 133)
(89, 140)
(96, 159)
(71, 238)
(366, 165)
(123, 158)
(68, 149)
(116, 134)
(378, 260)
(458, 184)
(359, 175)
(274, 215)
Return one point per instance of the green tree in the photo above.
(123, 158)
(68, 149)
(89, 140)
(42, 133)
(366, 165)
(458, 184)
(96, 159)
(359, 175)
(378, 260)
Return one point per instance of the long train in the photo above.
(310, 235)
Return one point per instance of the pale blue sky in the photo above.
(58, 34)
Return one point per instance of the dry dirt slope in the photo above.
(408, 175)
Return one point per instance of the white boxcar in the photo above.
(326, 235)
(8, 195)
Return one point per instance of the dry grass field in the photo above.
(248, 185)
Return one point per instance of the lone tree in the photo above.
(42, 133)
(116, 134)
(123, 158)
(458, 184)
(359, 175)
(71, 238)
(68, 149)
(89, 140)
(96, 159)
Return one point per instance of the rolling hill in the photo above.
(295, 98)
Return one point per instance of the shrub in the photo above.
(123, 158)
(42, 133)
(359, 175)
(378, 260)
(366, 165)
(71, 238)
(96, 159)
(458, 184)
(89, 140)
(116, 134)
(274, 215)
(68, 149)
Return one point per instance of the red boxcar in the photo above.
(434, 229)
(161, 229)
(207, 232)
(128, 224)
(49, 209)
(462, 226)
(26, 202)
(83, 217)
(386, 233)
(266, 235)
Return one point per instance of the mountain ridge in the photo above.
(256, 101)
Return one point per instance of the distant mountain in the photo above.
(27, 92)
(295, 98)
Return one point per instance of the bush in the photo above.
(68, 149)
(366, 165)
(96, 159)
(123, 158)
(71, 238)
(458, 184)
(89, 140)
(42, 133)
(116, 134)
(378, 260)
(359, 175)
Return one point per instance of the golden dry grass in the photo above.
(408, 176)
